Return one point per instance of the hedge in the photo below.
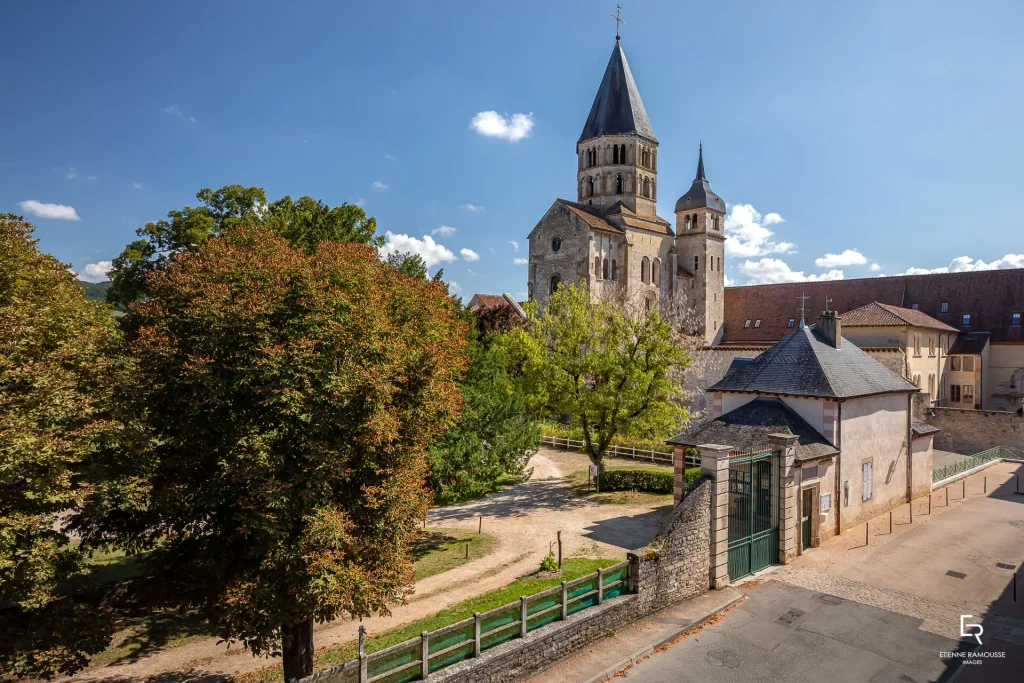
(651, 481)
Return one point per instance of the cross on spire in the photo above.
(618, 20)
(803, 303)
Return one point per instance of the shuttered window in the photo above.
(866, 488)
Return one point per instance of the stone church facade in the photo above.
(611, 238)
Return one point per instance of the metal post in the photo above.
(929, 502)
(565, 601)
(522, 616)
(480, 526)
(947, 496)
(559, 550)
(363, 677)
(911, 511)
(600, 585)
(890, 521)
(985, 489)
(476, 634)
(467, 551)
(424, 655)
(866, 538)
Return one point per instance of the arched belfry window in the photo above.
(647, 187)
(590, 186)
(615, 270)
(656, 272)
(615, 154)
(556, 282)
(604, 270)
(645, 270)
(686, 223)
(622, 154)
(618, 184)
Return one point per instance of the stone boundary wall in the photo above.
(972, 431)
(673, 567)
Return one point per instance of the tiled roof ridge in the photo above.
(900, 276)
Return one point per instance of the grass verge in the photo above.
(572, 568)
(442, 549)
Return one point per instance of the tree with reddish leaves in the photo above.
(284, 403)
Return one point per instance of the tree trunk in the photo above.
(297, 650)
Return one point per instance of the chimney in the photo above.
(831, 328)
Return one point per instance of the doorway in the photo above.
(807, 510)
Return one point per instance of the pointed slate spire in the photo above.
(617, 108)
(700, 193)
(700, 163)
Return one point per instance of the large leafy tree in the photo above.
(611, 369)
(304, 223)
(495, 435)
(55, 390)
(288, 400)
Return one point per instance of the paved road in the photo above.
(787, 633)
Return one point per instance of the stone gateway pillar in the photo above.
(788, 517)
(714, 464)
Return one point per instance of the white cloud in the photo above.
(72, 173)
(522, 295)
(515, 245)
(360, 202)
(443, 231)
(494, 125)
(471, 207)
(390, 157)
(379, 186)
(57, 211)
(96, 272)
(172, 109)
(431, 252)
(91, 177)
(454, 286)
(191, 119)
(773, 271)
(875, 268)
(469, 255)
(520, 261)
(747, 236)
(965, 264)
(138, 184)
(729, 282)
(850, 257)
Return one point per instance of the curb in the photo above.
(643, 652)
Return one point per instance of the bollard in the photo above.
(865, 533)
(522, 616)
(424, 655)
(911, 511)
(565, 601)
(985, 485)
(947, 496)
(559, 551)
(890, 521)
(467, 551)
(476, 634)
(480, 527)
(363, 674)
(929, 502)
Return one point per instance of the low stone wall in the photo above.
(673, 567)
(676, 565)
(973, 431)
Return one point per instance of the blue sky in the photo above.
(889, 129)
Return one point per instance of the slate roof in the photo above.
(805, 364)
(970, 344)
(617, 108)
(749, 426)
(877, 314)
(989, 296)
(599, 220)
(920, 429)
(700, 194)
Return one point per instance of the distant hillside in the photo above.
(95, 291)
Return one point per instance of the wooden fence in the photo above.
(649, 454)
(414, 659)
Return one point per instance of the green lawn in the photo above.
(443, 549)
(578, 482)
(572, 568)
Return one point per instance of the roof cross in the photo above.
(618, 20)
(803, 302)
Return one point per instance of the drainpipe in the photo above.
(837, 503)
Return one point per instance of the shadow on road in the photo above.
(539, 495)
(629, 532)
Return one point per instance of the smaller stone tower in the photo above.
(700, 249)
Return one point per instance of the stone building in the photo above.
(611, 237)
(858, 450)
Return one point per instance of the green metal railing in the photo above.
(414, 659)
(971, 461)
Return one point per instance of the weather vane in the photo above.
(618, 20)
(803, 301)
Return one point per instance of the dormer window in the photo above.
(916, 307)
(1015, 319)
(966, 319)
(792, 322)
(757, 323)
(945, 307)
(746, 325)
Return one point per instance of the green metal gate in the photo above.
(753, 512)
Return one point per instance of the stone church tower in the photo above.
(611, 238)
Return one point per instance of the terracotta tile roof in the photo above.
(884, 315)
(590, 216)
(660, 226)
(488, 301)
(989, 296)
(805, 364)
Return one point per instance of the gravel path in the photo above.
(524, 518)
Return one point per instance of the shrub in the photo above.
(549, 563)
(651, 481)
